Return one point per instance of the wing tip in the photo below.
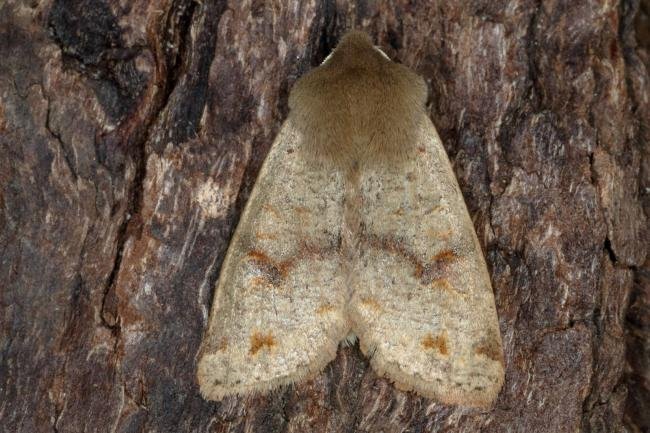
(213, 384)
(449, 394)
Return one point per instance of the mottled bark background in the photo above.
(131, 134)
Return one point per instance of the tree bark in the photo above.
(131, 134)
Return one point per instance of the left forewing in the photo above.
(277, 315)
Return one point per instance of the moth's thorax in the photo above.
(358, 107)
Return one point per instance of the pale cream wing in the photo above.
(278, 311)
(422, 302)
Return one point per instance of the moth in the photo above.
(356, 224)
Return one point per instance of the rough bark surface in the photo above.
(130, 137)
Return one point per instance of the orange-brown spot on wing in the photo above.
(419, 270)
(490, 346)
(325, 308)
(421, 149)
(490, 351)
(399, 211)
(371, 303)
(284, 267)
(258, 282)
(260, 341)
(438, 342)
(223, 344)
(444, 256)
(258, 256)
(268, 266)
(441, 283)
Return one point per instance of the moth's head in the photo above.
(355, 49)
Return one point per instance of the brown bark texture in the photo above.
(131, 134)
